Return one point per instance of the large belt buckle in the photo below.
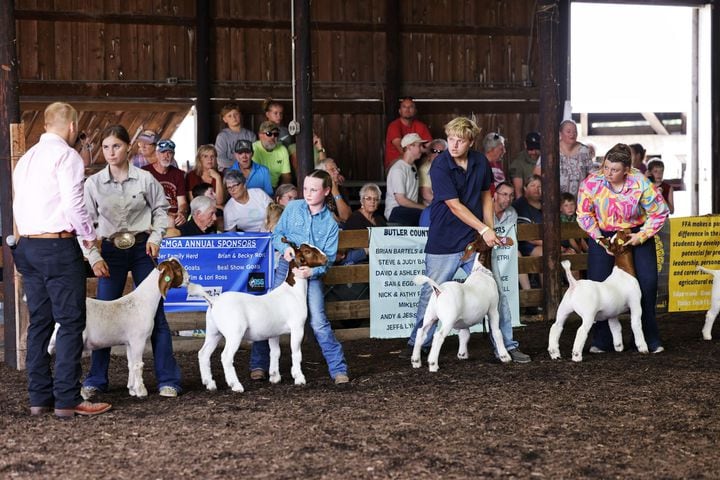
(123, 240)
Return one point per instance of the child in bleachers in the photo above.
(568, 205)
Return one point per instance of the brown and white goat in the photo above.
(129, 320)
(238, 316)
(460, 306)
(597, 301)
(714, 302)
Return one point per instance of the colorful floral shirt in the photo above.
(637, 204)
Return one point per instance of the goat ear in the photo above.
(165, 280)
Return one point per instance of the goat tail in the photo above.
(423, 279)
(570, 278)
(198, 291)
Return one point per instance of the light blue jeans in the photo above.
(329, 345)
(442, 268)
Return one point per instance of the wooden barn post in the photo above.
(303, 88)
(202, 72)
(392, 66)
(549, 48)
(9, 117)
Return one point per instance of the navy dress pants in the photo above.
(54, 281)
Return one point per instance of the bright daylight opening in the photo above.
(631, 82)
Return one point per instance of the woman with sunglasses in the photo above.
(131, 213)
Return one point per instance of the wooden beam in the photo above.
(393, 60)
(203, 91)
(303, 94)
(548, 20)
(262, 24)
(9, 126)
(432, 98)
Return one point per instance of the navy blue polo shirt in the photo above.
(448, 234)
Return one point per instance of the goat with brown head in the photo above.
(172, 275)
(619, 246)
(305, 256)
(481, 247)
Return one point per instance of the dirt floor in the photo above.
(615, 415)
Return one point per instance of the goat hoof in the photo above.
(554, 355)
(619, 347)
(433, 367)
(141, 393)
(462, 356)
(300, 380)
(415, 363)
(275, 377)
(506, 358)
(642, 348)
(577, 357)
(211, 386)
(238, 388)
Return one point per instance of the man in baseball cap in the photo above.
(521, 167)
(410, 139)
(256, 175)
(271, 153)
(401, 200)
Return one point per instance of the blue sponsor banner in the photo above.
(233, 261)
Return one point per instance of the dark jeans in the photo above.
(54, 281)
(406, 216)
(600, 265)
(120, 262)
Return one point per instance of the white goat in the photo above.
(714, 302)
(237, 315)
(129, 320)
(606, 300)
(460, 306)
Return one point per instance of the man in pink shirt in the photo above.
(50, 214)
(398, 128)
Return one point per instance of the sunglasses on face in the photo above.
(273, 133)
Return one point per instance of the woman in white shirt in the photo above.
(246, 209)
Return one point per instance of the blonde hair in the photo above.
(207, 148)
(272, 215)
(462, 127)
(60, 114)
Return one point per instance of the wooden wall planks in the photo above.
(472, 53)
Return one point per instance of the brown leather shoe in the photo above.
(85, 408)
(35, 411)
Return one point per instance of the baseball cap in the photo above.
(411, 138)
(148, 136)
(243, 146)
(532, 141)
(165, 145)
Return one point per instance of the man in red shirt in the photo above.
(398, 128)
(172, 180)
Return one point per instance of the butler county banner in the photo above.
(233, 261)
(397, 254)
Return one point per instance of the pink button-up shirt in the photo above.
(48, 185)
